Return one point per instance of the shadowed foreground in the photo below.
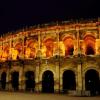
(31, 96)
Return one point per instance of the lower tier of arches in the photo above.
(48, 84)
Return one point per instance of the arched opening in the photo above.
(15, 80)
(89, 41)
(70, 50)
(48, 82)
(69, 45)
(3, 80)
(49, 44)
(90, 50)
(69, 82)
(92, 82)
(30, 81)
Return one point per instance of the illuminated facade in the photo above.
(59, 58)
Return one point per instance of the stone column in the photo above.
(84, 83)
(21, 79)
(61, 79)
(7, 80)
(57, 63)
(57, 79)
(78, 38)
(37, 82)
(9, 77)
(37, 78)
(79, 79)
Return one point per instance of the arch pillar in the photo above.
(7, 80)
(61, 81)
(37, 79)
(21, 79)
(79, 82)
(10, 86)
(57, 79)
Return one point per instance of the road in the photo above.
(39, 96)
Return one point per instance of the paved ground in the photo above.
(32, 96)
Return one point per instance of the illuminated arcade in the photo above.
(59, 58)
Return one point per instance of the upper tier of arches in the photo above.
(64, 40)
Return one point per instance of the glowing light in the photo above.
(4, 56)
(31, 48)
(27, 52)
(14, 54)
(89, 44)
(49, 44)
(69, 45)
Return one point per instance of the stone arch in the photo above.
(68, 41)
(48, 82)
(69, 80)
(18, 69)
(92, 82)
(28, 68)
(3, 80)
(89, 41)
(89, 68)
(29, 80)
(69, 68)
(43, 68)
(42, 71)
(15, 68)
(49, 44)
(62, 71)
(15, 80)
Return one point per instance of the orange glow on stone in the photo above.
(30, 50)
(89, 43)
(49, 43)
(69, 45)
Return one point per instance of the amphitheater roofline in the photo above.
(52, 24)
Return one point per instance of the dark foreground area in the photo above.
(36, 96)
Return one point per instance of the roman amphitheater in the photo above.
(63, 57)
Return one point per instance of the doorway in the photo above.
(15, 80)
(48, 82)
(3, 80)
(30, 81)
(92, 82)
(69, 82)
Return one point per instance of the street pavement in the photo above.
(41, 96)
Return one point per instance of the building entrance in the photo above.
(15, 80)
(30, 81)
(69, 82)
(48, 82)
(3, 80)
(92, 82)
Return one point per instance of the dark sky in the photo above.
(16, 14)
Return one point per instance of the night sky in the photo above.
(16, 14)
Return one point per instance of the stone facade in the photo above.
(57, 49)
